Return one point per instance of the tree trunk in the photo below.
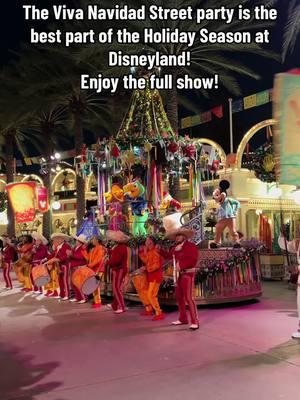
(47, 217)
(80, 184)
(172, 113)
(9, 149)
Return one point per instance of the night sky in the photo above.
(14, 30)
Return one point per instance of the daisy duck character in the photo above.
(134, 192)
(115, 198)
(226, 214)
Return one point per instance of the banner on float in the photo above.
(21, 196)
(42, 199)
(286, 98)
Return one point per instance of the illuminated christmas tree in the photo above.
(146, 120)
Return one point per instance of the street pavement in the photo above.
(66, 351)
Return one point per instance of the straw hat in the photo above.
(187, 233)
(39, 236)
(5, 239)
(60, 235)
(117, 236)
(81, 238)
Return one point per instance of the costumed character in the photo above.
(173, 215)
(226, 214)
(114, 198)
(59, 267)
(154, 277)
(40, 254)
(96, 258)
(185, 257)
(135, 193)
(294, 248)
(23, 266)
(7, 258)
(77, 260)
(118, 260)
(89, 227)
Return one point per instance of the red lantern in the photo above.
(115, 151)
(173, 147)
(190, 150)
(42, 199)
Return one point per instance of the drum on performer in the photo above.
(40, 275)
(85, 280)
(139, 279)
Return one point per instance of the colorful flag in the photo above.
(206, 117)
(27, 161)
(218, 111)
(196, 120)
(42, 199)
(250, 101)
(262, 98)
(237, 106)
(186, 122)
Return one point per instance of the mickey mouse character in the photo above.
(226, 214)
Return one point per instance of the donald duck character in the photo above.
(134, 192)
(226, 214)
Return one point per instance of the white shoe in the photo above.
(193, 327)
(56, 297)
(109, 306)
(178, 323)
(81, 302)
(296, 335)
(65, 298)
(36, 292)
(119, 311)
(73, 300)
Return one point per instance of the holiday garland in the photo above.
(262, 163)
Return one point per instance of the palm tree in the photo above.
(292, 28)
(59, 83)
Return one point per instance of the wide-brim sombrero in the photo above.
(60, 235)
(39, 236)
(187, 233)
(117, 236)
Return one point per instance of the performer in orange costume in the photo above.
(23, 265)
(153, 263)
(95, 255)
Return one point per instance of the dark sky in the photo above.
(14, 30)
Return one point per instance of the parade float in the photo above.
(134, 171)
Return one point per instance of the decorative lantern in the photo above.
(22, 198)
(173, 147)
(115, 151)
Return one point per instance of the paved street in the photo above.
(53, 351)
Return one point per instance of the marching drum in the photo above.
(85, 280)
(40, 275)
(139, 279)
